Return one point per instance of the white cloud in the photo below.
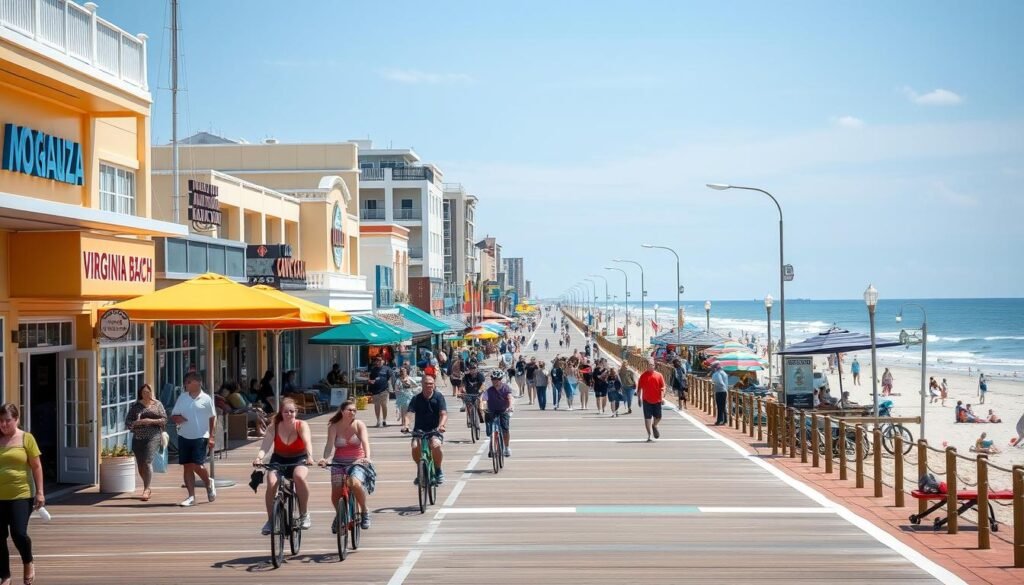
(848, 122)
(936, 97)
(412, 77)
(947, 194)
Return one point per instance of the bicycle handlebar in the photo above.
(279, 466)
(427, 434)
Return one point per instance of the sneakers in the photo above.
(440, 477)
(266, 528)
(416, 480)
(305, 522)
(462, 409)
(490, 454)
(385, 424)
(364, 522)
(211, 491)
(188, 502)
(657, 434)
(508, 452)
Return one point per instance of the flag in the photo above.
(654, 325)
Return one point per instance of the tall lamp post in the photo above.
(625, 276)
(643, 295)
(679, 286)
(782, 277)
(605, 279)
(768, 308)
(707, 314)
(924, 355)
(593, 303)
(871, 300)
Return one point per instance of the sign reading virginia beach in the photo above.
(40, 155)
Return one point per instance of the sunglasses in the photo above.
(350, 410)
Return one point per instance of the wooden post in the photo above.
(859, 450)
(842, 449)
(744, 400)
(983, 519)
(898, 483)
(877, 446)
(773, 429)
(827, 430)
(815, 461)
(803, 436)
(922, 470)
(756, 413)
(760, 407)
(732, 413)
(951, 517)
(790, 416)
(1018, 516)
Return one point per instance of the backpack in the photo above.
(929, 485)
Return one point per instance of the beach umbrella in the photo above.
(739, 361)
(726, 347)
(481, 333)
(492, 327)
(835, 341)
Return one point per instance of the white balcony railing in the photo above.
(322, 280)
(75, 31)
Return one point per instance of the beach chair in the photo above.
(967, 499)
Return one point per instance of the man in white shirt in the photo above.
(720, 381)
(196, 419)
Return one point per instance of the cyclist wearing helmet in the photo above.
(472, 382)
(499, 405)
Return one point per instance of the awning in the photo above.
(411, 313)
(26, 214)
(395, 318)
(688, 338)
(456, 325)
(363, 330)
(489, 314)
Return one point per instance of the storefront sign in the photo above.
(203, 205)
(273, 265)
(337, 237)
(799, 380)
(38, 154)
(80, 265)
(115, 324)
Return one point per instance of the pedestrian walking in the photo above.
(855, 370)
(540, 380)
(943, 392)
(652, 393)
(586, 382)
(531, 386)
(19, 456)
(600, 375)
(614, 391)
(557, 380)
(196, 421)
(679, 382)
(887, 382)
(628, 376)
(572, 380)
(146, 420)
(982, 388)
(720, 381)
(521, 375)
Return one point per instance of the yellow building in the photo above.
(75, 223)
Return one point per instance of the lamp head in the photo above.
(718, 186)
(646, 246)
(707, 305)
(871, 296)
(768, 301)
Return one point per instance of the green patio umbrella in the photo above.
(362, 331)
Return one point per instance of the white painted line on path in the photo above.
(517, 510)
(708, 440)
(406, 567)
(762, 510)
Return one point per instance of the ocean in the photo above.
(963, 334)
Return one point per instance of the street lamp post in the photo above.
(605, 279)
(625, 276)
(707, 314)
(782, 278)
(768, 308)
(593, 303)
(643, 295)
(924, 355)
(871, 300)
(679, 286)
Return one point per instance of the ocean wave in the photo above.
(1004, 338)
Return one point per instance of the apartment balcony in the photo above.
(416, 252)
(397, 174)
(408, 214)
(372, 214)
(62, 29)
(371, 175)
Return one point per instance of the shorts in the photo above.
(652, 410)
(456, 382)
(358, 472)
(287, 460)
(503, 419)
(381, 399)
(600, 393)
(193, 450)
(435, 442)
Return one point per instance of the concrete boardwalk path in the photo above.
(583, 499)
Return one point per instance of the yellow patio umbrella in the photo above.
(481, 334)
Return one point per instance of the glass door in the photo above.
(77, 413)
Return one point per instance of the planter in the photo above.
(117, 475)
(362, 402)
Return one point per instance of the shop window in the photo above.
(216, 259)
(54, 334)
(117, 189)
(234, 262)
(177, 255)
(122, 371)
(197, 258)
(179, 350)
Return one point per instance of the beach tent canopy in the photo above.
(835, 340)
(411, 313)
(699, 338)
(362, 330)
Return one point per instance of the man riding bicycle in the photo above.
(431, 415)
(499, 406)
(472, 382)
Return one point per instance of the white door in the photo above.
(77, 451)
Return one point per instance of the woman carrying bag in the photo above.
(147, 420)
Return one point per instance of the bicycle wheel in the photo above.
(354, 527)
(432, 492)
(341, 517)
(471, 422)
(278, 525)
(424, 485)
(294, 528)
(501, 451)
(495, 451)
(889, 438)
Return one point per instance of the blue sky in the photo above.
(892, 133)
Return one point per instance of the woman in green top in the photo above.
(18, 454)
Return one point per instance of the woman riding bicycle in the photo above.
(349, 441)
(290, 441)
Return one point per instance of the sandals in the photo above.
(146, 493)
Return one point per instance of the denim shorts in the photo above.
(358, 472)
(192, 450)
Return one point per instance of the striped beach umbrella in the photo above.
(726, 347)
(739, 361)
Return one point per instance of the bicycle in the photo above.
(346, 517)
(891, 430)
(426, 472)
(472, 402)
(497, 438)
(284, 514)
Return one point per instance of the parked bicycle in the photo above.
(346, 518)
(284, 514)
(426, 471)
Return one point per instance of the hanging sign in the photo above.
(799, 380)
(337, 237)
(114, 324)
(203, 204)
(273, 265)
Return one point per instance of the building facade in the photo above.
(460, 253)
(75, 227)
(513, 268)
(385, 263)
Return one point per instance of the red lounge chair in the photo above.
(966, 498)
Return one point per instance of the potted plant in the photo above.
(117, 470)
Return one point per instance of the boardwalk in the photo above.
(582, 500)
